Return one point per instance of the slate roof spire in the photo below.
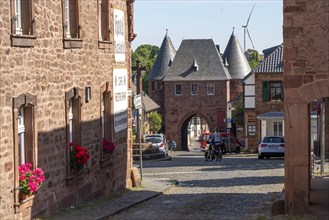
(238, 65)
(164, 59)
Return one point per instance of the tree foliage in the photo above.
(254, 59)
(146, 54)
(155, 122)
(237, 114)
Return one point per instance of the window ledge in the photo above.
(73, 43)
(104, 44)
(24, 204)
(71, 179)
(106, 161)
(23, 40)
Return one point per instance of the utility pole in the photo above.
(139, 88)
(229, 123)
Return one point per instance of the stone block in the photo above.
(292, 32)
(308, 93)
(291, 81)
(321, 88)
(135, 177)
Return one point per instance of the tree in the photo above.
(254, 58)
(155, 122)
(237, 114)
(146, 54)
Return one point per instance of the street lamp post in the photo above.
(229, 123)
(140, 112)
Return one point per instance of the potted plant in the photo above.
(78, 157)
(108, 147)
(29, 180)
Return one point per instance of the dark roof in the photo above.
(164, 58)
(149, 104)
(238, 65)
(270, 50)
(197, 60)
(273, 62)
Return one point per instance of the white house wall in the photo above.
(249, 91)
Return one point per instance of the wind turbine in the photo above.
(245, 27)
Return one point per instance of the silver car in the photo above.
(271, 146)
(157, 142)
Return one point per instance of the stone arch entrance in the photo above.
(184, 130)
(298, 151)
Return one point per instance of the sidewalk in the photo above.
(105, 208)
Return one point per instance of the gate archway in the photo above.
(185, 130)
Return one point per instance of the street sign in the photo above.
(229, 122)
(138, 101)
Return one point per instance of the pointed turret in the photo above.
(235, 59)
(164, 59)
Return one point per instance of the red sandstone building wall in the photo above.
(179, 109)
(48, 72)
(306, 73)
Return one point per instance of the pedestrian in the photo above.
(172, 146)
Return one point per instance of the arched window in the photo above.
(25, 134)
(106, 116)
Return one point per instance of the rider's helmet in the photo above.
(217, 130)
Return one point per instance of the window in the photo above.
(72, 37)
(72, 28)
(210, 89)
(272, 91)
(277, 128)
(104, 30)
(73, 118)
(194, 89)
(178, 89)
(275, 91)
(22, 23)
(251, 130)
(25, 144)
(22, 17)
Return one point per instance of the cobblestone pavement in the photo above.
(238, 187)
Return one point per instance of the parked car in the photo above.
(234, 145)
(157, 142)
(271, 146)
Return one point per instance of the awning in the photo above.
(271, 115)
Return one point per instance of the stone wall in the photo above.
(48, 71)
(306, 71)
(178, 109)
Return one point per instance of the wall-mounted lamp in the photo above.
(88, 94)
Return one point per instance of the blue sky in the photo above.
(208, 19)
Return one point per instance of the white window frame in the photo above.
(70, 117)
(21, 135)
(176, 89)
(103, 116)
(67, 19)
(251, 130)
(18, 17)
(278, 128)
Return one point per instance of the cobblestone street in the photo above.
(238, 187)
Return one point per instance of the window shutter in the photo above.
(265, 91)
(26, 17)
